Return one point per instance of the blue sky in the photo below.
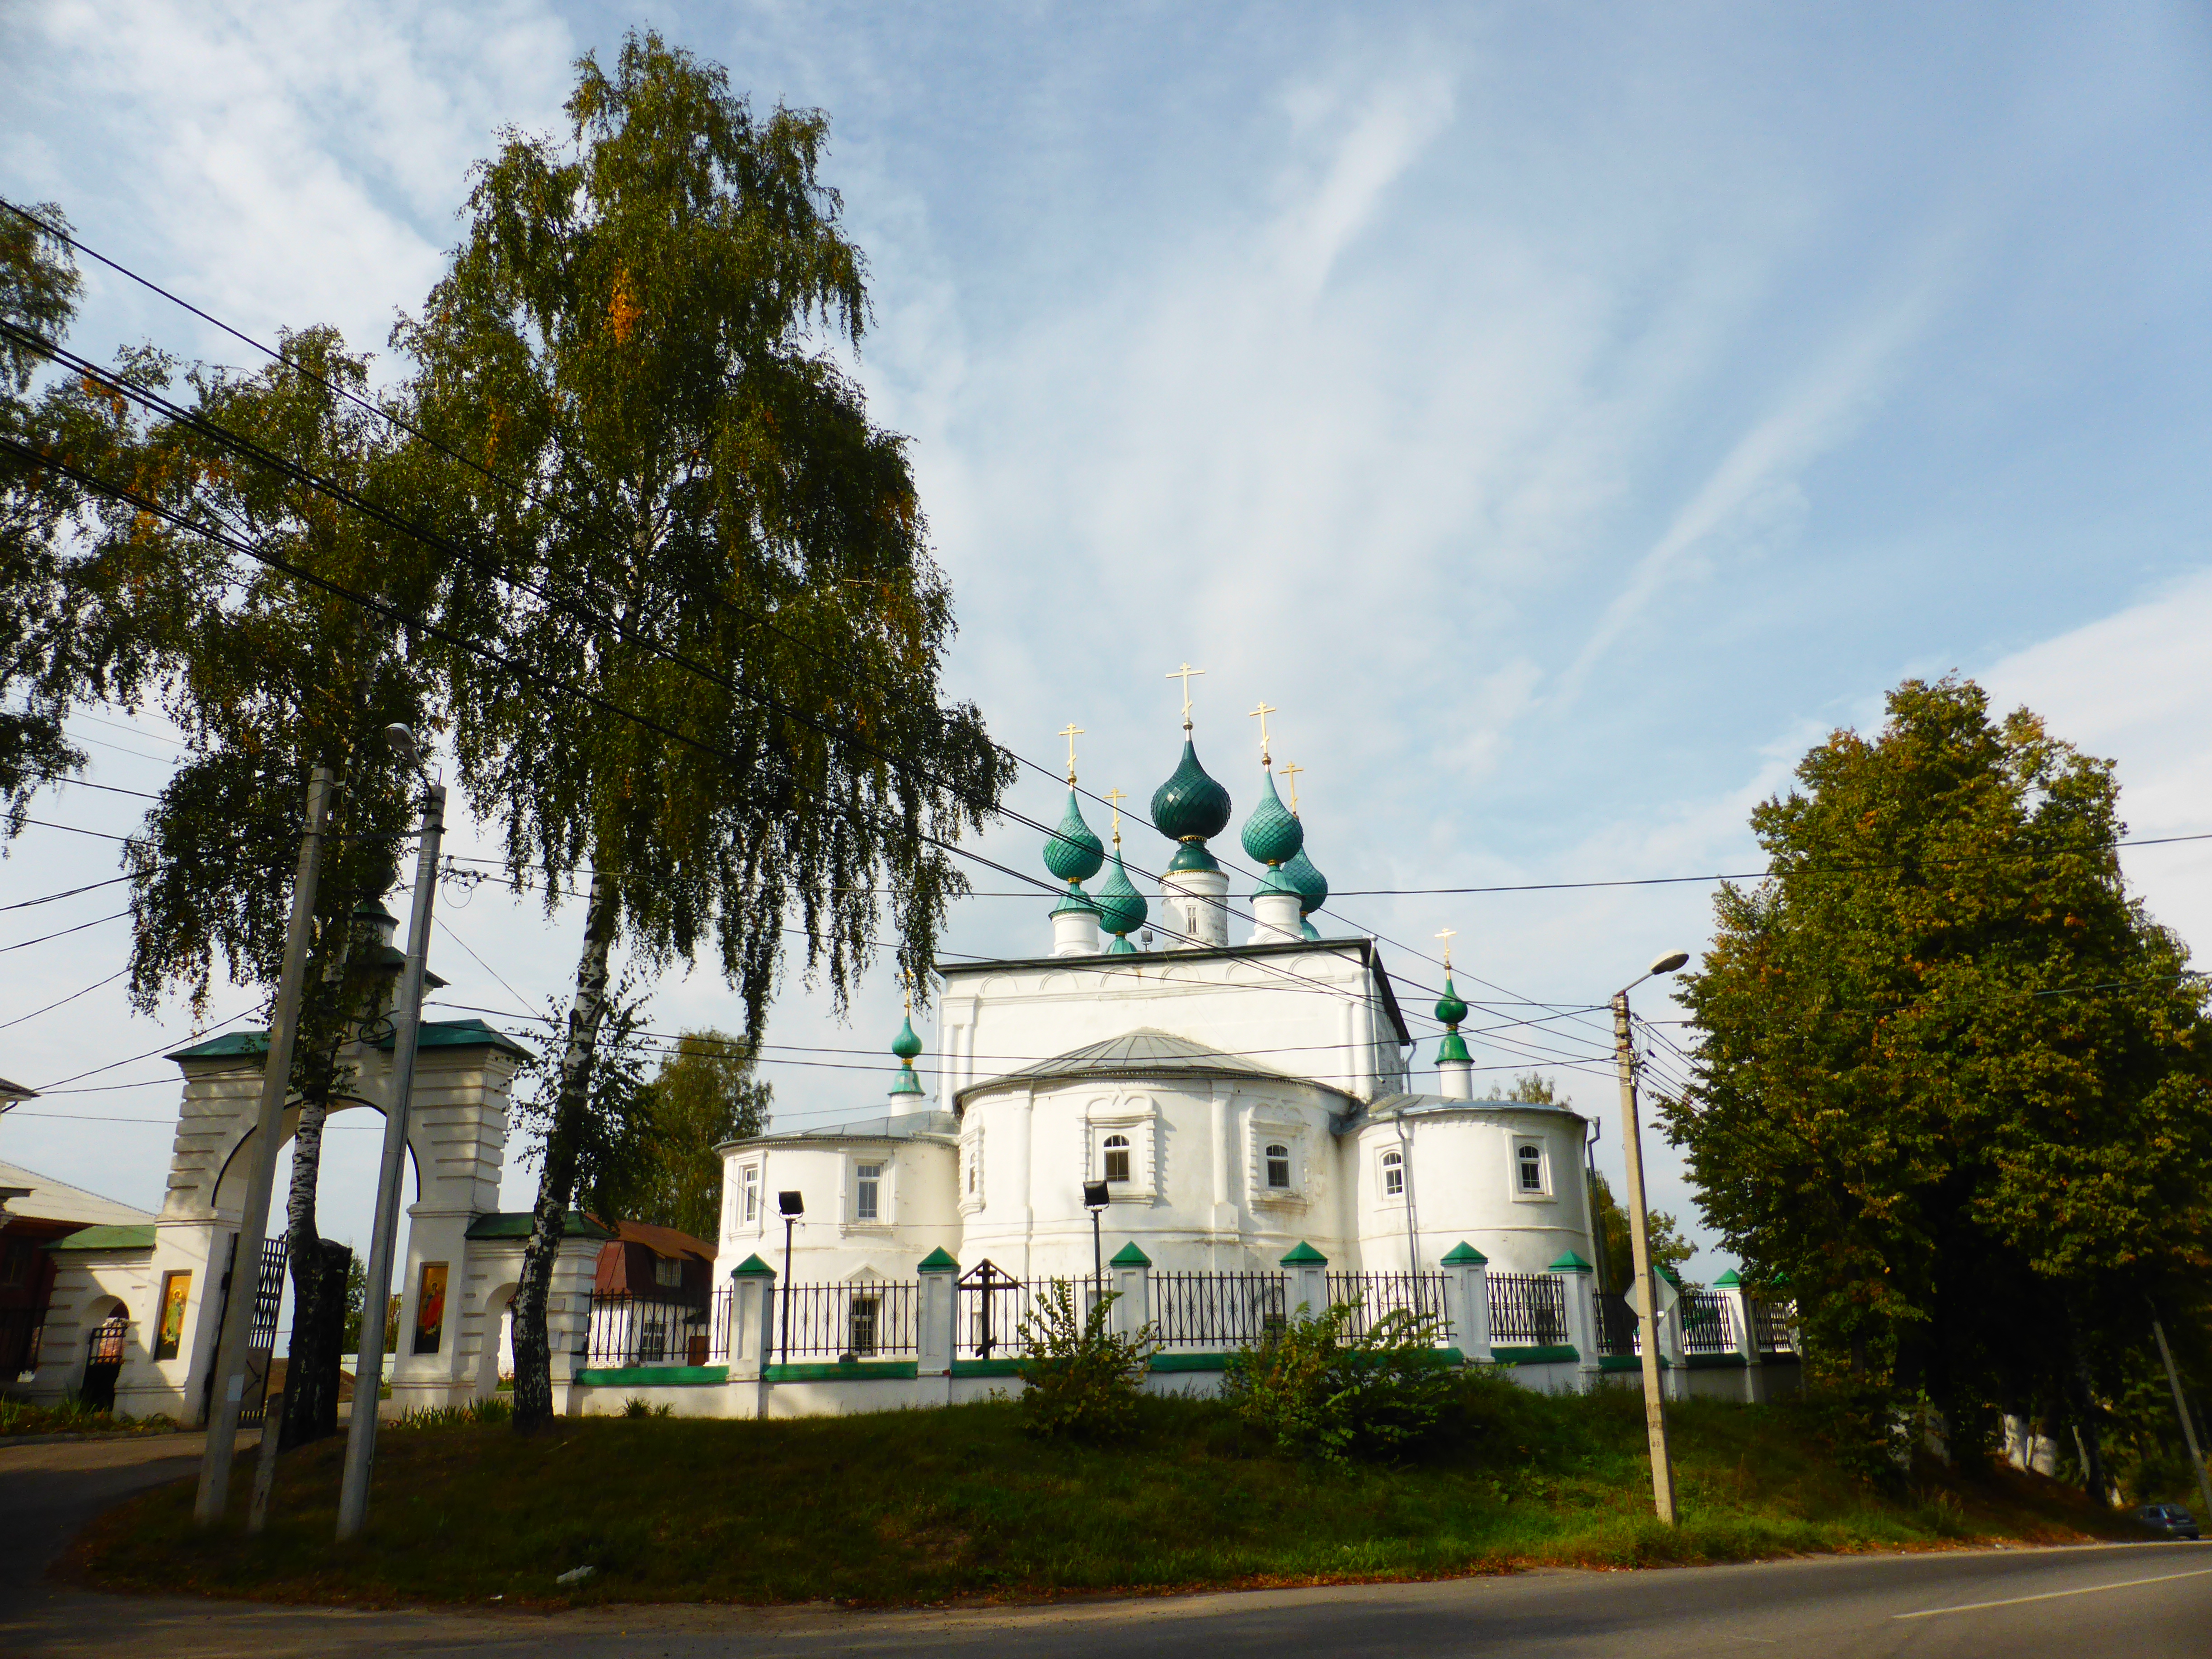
(1564, 417)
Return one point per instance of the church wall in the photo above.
(1464, 1177)
(1196, 1199)
(1313, 1014)
(916, 1213)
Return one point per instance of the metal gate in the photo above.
(260, 1335)
(103, 1358)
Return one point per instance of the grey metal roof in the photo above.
(906, 1126)
(1387, 1106)
(1144, 1053)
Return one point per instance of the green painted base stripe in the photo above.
(1184, 1360)
(832, 1370)
(1712, 1362)
(987, 1368)
(1629, 1362)
(1558, 1353)
(658, 1377)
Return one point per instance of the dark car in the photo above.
(2169, 1518)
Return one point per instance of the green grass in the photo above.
(929, 1506)
(72, 1416)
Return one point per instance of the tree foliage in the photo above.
(704, 1095)
(1951, 1080)
(717, 675)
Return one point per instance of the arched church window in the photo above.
(1531, 1158)
(1278, 1166)
(1117, 1157)
(1394, 1175)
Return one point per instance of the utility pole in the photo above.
(406, 1028)
(1639, 1239)
(237, 1325)
(2181, 1410)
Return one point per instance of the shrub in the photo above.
(1083, 1378)
(636, 1406)
(1319, 1391)
(493, 1410)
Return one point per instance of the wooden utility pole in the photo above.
(2181, 1410)
(1639, 1239)
(229, 1375)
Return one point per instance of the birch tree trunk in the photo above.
(534, 1353)
(313, 1359)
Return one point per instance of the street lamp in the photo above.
(791, 1206)
(1095, 1200)
(1639, 1241)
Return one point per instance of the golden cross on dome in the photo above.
(1447, 936)
(1070, 732)
(1262, 712)
(1117, 796)
(1290, 770)
(1183, 674)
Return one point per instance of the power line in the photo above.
(72, 997)
(90, 886)
(25, 944)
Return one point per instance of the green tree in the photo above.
(1950, 1079)
(704, 1095)
(715, 540)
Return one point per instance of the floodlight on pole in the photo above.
(1649, 1310)
(791, 1206)
(1096, 1197)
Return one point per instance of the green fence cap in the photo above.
(1568, 1263)
(1130, 1256)
(1305, 1256)
(1464, 1254)
(751, 1265)
(938, 1262)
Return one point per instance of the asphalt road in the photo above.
(2124, 1601)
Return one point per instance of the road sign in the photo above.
(1668, 1296)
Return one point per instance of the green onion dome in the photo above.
(1121, 908)
(1312, 885)
(1075, 902)
(1449, 1008)
(1074, 852)
(1271, 835)
(1190, 806)
(906, 1045)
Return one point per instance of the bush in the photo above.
(1083, 1378)
(636, 1406)
(1319, 1392)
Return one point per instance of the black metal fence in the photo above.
(1217, 1311)
(1527, 1311)
(857, 1319)
(1374, 1295)
(1773, 1326)
(628, 1329)
(1708, 1325)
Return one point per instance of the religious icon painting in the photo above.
(430, 1309)
(169, 1335)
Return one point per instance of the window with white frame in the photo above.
(749, 1192)
(867, 1191)
(1114, 1159)
(1278, 1166)
(1393, 1174)
(1529, 1167)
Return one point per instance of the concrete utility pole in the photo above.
(2181, 1410)
(406, 1032)
(229, 1376)
(1639, 1239)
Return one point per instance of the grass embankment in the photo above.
(74, 1417)
(925, 1506)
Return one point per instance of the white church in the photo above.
(1241, 1089)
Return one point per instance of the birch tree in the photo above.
(715, 699)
